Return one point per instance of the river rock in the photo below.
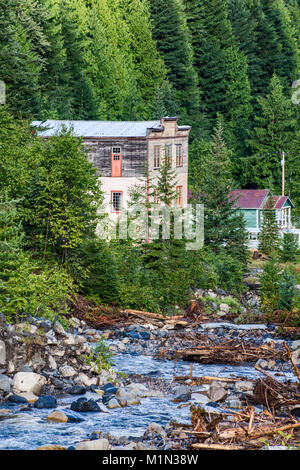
(28, 382)
(217, 392)
(244, 386)
(97, 444)
(46, 402)
(29, 396)
(2, 353)
(77, 390)
(140, 390)
(4, 384)
(199, 398)
(83, 379)
(58, 417)
(26, 328)
(16, 399)
(51, 447)
(67, 371)
(224, 308)
(113, 403)
(52, 363)
(83, 405)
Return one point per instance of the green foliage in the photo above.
(269, 235)
(63, 198)
(101, 358)
(269, 287)
(287, 289)
(36, 290)
(224, 225)
(289, 248)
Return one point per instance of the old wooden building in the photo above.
(124, 151)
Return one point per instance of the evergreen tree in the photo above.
(289, 248)
(173, 42)
(224, 226)
(221, 67)
(269, 235)
(269, 287)
(11, 239)
(20, 64)
(64, 198)
(287, 290)
(272, 134)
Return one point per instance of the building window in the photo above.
(179, 200)
(169, 154)
(179, 156)
(116, 201)
(156, 162)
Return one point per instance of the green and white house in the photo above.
(252, 202)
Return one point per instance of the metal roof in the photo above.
(101, 128)
(249, 198)
(279, 201)
(256, 199)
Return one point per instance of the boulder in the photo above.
(16, 399)
(29, 396)
(67, 371)
(58, 417)
(77, 390)
(2, 353)
(217, 392)
(46, 402)
(83, 405)
(224, 308)
(28, 382)
(97, 444)
(113, 403)
(4, 384)
(51, 447)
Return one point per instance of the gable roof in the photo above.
(249, 198)
(256, 199)
(279, 202)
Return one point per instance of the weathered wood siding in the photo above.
(133, 151)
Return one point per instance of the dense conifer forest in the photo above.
(228, 68)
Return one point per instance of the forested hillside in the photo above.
(226, 67)
(141, 59)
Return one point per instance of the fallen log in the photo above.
(208, 379)
(216, 447)
(153, 316)
(234, 433)
(227, 354)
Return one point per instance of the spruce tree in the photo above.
(269, 235)
(272, 134)
(269, 287)
(289, 248)
(173, 42)
(224, 226)
(287, 291)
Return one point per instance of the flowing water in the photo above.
(25, 430)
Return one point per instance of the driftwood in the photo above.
(238, 430)
(156, 318)
(296, 370)
(207, 380)
(226, 354)
(216, 447)
(272, 393)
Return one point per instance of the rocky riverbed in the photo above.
(53, 392)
